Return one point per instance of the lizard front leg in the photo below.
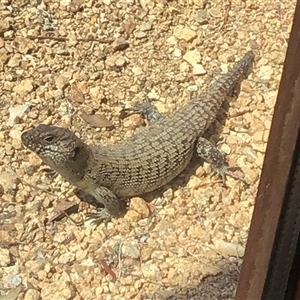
(147, 109)
(207, 151)
(113, 206)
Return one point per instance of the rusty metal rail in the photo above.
(271, 264)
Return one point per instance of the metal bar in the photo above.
(280, 281)
(275, 174)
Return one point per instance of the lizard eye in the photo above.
(49, 139)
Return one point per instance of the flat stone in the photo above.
(150, 270)
(136, 70)
(4, 257)
(172, 40)
(131, 249)
(24, 87)
(4, 26)
(230, 249)
(265, 72)
(140, 34)
(16, 113)
(201, 17)
(184, 33)
(198, 69)
(120, 44)
(177, 52)
(146, 26)
(140, 206)
(192, 57)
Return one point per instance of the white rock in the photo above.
(32, 294)
(172, 40)
(270, 98)
(15, 134)
(131, 249)
(192, 88)
(24, 87)
(184, 33)
(146, 26)
(177, 52)
(153, 94)
(192, 57)
(198, 69)
(265, 72)
(224, 68)
(150, 270)
(65, 2)
(230, 249)
(184, 67)
(16, 113)
(62, 80)
(147, 4)
(225, 148)
(120, 62)
(4, 257)
(66, 258)
(95, 91)
(140, 34)
(137, 70)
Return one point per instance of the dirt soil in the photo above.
(77, 63)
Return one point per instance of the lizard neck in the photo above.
(75, 165)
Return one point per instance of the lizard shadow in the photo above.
(217, 285)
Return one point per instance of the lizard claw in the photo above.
(98, 217)
(148, 110)
(224, 171)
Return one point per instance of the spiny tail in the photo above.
(205, 106)
(229, 81)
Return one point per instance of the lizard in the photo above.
(150, 158)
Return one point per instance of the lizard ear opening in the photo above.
(76, 151)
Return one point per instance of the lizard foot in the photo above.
(113, 207)
(148, 110)
(99, 217)
(207, 151)
(225, 170)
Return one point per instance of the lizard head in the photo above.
(57, 147)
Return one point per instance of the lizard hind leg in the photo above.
(149, 111)
(207, 151)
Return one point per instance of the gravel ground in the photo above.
(102, 56)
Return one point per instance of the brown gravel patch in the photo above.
(102, 56)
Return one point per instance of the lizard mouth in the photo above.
(25, 138)
(29, 141)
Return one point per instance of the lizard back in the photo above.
(155, 155)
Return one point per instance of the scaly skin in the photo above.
(147, 160)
